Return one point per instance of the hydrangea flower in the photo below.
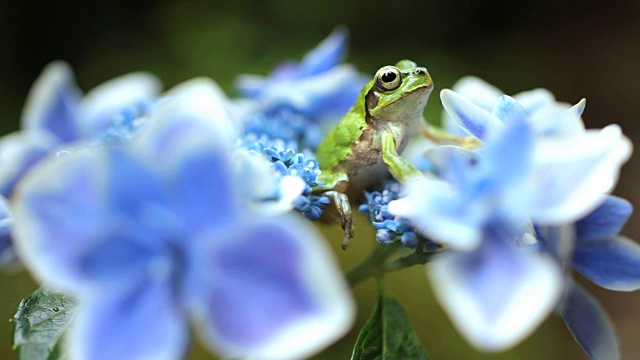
(318, 87)
(602, 256)
(56, 113)
(156, 234)
(481, 97)
(495, 287)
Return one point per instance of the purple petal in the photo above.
(473, 119)
(613, 263)
(605, 221)
(589, 324)
(274, 291)
(141, 322)
(19, 152)
(52, 103)
(326, 55)
(497, 295)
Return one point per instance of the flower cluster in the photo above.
(389, 228)
(507, 213)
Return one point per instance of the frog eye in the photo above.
(388, 78)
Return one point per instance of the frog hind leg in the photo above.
(440, 136)
(341, 201)
(335, 186)
(401, 169)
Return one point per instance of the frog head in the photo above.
(398, 93)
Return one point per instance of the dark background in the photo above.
(574, 48)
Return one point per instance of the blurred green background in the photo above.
(574, 48)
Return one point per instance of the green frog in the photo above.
(365, 145)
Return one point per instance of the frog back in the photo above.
(337, 146)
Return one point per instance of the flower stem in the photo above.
(417, 258)
(373, 264)
(378, 263)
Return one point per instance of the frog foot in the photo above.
(469, 142)
(341, 201)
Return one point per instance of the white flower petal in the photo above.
(470, 295)
(573, 174)
(534, 100)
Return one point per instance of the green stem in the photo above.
(373, 264)
(378, 263)
(417, 258)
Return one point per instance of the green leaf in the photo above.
(388, 335)
(40, 321)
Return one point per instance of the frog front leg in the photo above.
(401, 169)
(336, 185)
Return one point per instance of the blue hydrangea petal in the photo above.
(605, 221)
(274, 292)
(250, 86)
(120, 258)
(193, 112)
(52, 103)
(61, 205)
(203, 188)
(132, 190)
(589, 324)
(141, 322)
(439, 213)
(498, 294)
(329, 95)
(440, 156)
(508, 158)
(325, 55)
(509, 111)
(473, 119)
(613, 263)
(19, 152)
(99, 108)
(8, 258)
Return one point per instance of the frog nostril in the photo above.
(421, 71)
